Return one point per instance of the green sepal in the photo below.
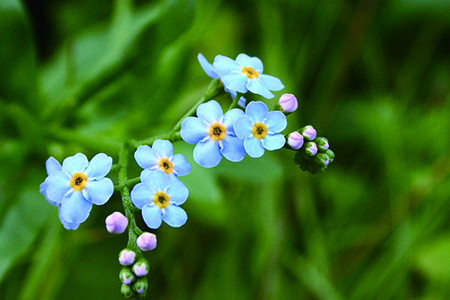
(126, 291)
(322, 143)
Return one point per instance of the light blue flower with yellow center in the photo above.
(77, 185)
(214, 135)
(159, 198)
(245, 74)
(260, 129)
(160, 157)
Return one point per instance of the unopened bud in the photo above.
(141, 267)
(126, 291)
(330, 154)
(116, 223)
(288, 103)
(141, 285)
(295, 140)
(146, 241)
(311, 148)
(126, 276)
(322, 159)
(322, 144)
(308, 132)
(127, 257)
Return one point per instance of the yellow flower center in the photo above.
(78, 181)
(161, 199)
(217, 131)
(166, 165)
(259, 130)
(249, 72)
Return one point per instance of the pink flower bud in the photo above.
(127, 257)
(288, 103)
(311, 148)
(146, 241)
(309, 132)
(295, 140)
(116, 223)
(141, 267)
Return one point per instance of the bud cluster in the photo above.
(312, 152)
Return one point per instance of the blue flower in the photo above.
(214, 135)
(160, 157)
(260, 129)
(159, 198)
(245, 74)
(76, 185)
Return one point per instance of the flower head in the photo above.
(260, 129)
(245, 74)
(214, 135)
(76, 185)
(146, 241)
(160, 157)
(159, 198)
(116, 223)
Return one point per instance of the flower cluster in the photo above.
(313, 153)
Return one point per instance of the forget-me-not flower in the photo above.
(160, 157)
(245, 74)
(159, 198)
(214, 135)
(78, 185)
(260, 129)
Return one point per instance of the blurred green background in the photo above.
(371, 76)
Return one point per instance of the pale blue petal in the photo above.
(99, 192)
(152, 216)
(57, 186)
(163, 148)
(52, 165)
(174, 216)
(273, 141)
(193, 130)
(230, 117)
(207, 67)
(181, 166)
(257, 87)
(76, 163)
(141, 195)
(74, 208)
(271, 82)
(242, 101)
(207, 153)
(233, 148)
(210, 111)
(177, 192)
(275, 121)
(247, 61)
(99, 166)
(155, 180)
(43, 191)
(66, 224)
(224, 65)
(146, 157)
(253, 147)
(243, 127)
(257, 111)
(236, 81)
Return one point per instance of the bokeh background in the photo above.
(371, 76)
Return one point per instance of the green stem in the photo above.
(235, 104)
(128, 183)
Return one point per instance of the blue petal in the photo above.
(57, 185)
(233, 148)
(273, 141)
(99, 192)
(210, 111)
(257, 111)
(230, 117)
(257, 87)
(52, 165)
(141, 195)
(207, 67)
(178, 192)
(242, 101)
(275, 121)
(224, 65)
(66, 224)
(243, 127)
(163, 148)
(247, 61)
(155, 180)
(43, 191)
(181, 166)
(236, 81)
(152, 216)
(174, 216)
(271, 82)
(146, 157)
(207, 153)
(253, 147)
(74, 208)
(99, 166)
(76, 163)
(193, 130)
